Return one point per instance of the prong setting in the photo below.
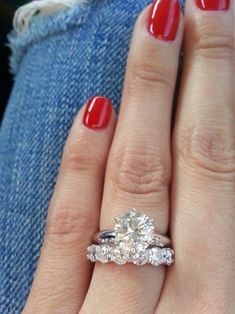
(116, 220)
(132, 240)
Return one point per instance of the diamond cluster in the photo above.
(105, 253)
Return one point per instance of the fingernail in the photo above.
(213, 5)
(97, 113)
(164, 19)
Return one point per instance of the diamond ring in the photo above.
(133, 240)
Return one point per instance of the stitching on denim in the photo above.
(25, 14)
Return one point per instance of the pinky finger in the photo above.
(63, 274)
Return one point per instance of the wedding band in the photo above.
(105, 253)
(133, 240)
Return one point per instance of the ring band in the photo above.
(133, 240)
(105, 253)
(108, 236)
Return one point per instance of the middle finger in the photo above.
(139, 167)
(203, 216)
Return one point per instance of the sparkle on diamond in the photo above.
(141, 257)
(119, 255)
(103, 253)
(134, 226)
(156, 257)
(91, 252)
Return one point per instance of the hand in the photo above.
(135, 158)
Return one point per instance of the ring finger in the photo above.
(139, 167)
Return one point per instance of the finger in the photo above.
(139, 167)
(63, 272)
(203, 219)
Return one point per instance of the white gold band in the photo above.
(155, 256)
(108, 236)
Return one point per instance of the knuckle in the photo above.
(66, 226)
(144, 74)
(82, 155)
(210, 150)
(138, 171)
(212, 44)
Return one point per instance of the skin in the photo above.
(133, 162)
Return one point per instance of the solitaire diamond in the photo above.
(134, 227)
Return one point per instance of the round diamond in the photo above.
(156, 256)
(168, 256)
(141, 257)
(120, 256)
(91, 253)
(103, 253)
(134, 226)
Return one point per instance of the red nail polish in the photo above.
(164, 19)
(97, 113)
(213, 5)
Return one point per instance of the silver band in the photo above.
(105, 253)
(108, 236)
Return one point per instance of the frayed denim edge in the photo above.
(43, 27)
(26, 13)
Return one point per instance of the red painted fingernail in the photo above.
(97, 113)
(213, 5)
(164, 19)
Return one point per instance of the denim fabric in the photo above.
(59, 62)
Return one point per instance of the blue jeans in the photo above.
(59, 62)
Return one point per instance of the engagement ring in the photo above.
(133, 240)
